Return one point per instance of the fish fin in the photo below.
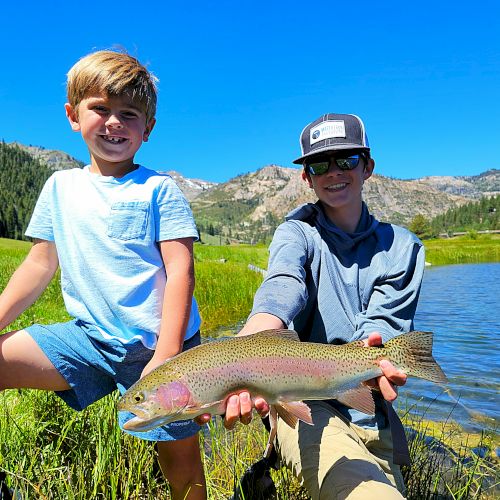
(273, 422)
(412, 353)
(292, 411)
(215, 407)
(360, 398)
(287, 334)
(288, 418)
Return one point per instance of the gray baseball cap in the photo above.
(332, 132)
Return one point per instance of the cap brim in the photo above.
(336, 147)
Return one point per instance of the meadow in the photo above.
(48, 451)
(467, 249)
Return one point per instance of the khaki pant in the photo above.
(337, 460)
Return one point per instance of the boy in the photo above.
(337, 275)
(117, 231)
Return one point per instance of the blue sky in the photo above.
(240, 79)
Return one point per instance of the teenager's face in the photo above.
(113, 129)
(341, 189)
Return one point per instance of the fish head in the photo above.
(155, 404)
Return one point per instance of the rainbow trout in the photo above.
(277, 366)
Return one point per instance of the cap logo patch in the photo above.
(327, 130)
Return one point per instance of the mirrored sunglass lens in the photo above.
(347, 163)
(318, 168)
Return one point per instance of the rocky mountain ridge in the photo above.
(192, 188)
(54, 159)
(254, 203)
(485, 184)
(272, 191)
(59, 160)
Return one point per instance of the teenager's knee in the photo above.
(357, 479)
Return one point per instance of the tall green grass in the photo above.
(225, 286)
(471, 248)
(49, 451)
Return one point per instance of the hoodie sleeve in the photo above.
(393, 301)
(283, 292)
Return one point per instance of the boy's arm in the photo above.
(178, 259)
(28, 281)
(261, 321)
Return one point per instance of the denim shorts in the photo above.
(95, 366)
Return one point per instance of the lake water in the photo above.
(460, 304)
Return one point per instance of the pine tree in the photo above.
(420, 226)
(21, 180)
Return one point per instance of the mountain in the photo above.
(250, 206)
(191, 188)
(55, 160)
(22, 177)
(253, 204)
(485, 184)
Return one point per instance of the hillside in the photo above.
(249, 207)
(21, 179)
(191, 188)
(55, 160)
(485, 184)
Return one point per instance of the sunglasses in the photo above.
(320, 166)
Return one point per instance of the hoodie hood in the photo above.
(313, 214)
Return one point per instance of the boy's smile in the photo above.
(336, 187)
(113, 127)
(112, 139)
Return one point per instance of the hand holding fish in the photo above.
(151, 365)
(392, 378)
(239, 407)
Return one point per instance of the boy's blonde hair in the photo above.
(114, 74)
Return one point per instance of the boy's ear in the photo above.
(368, 171)
(72, 115)
(307, 178)
(149, 128)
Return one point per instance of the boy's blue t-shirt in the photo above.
(107, 231)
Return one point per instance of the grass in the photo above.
(225, 286)
(468, 249)
(49, 451)
(448, 463)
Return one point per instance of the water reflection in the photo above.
(460, 305)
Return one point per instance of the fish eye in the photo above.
(139, 397)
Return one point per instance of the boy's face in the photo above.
(113, 127)
(339, 189)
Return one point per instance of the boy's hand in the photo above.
(392, 377)
(151, 365)
(238, 407)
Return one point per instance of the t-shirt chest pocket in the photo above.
(128, 220)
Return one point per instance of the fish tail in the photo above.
(412, 353)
